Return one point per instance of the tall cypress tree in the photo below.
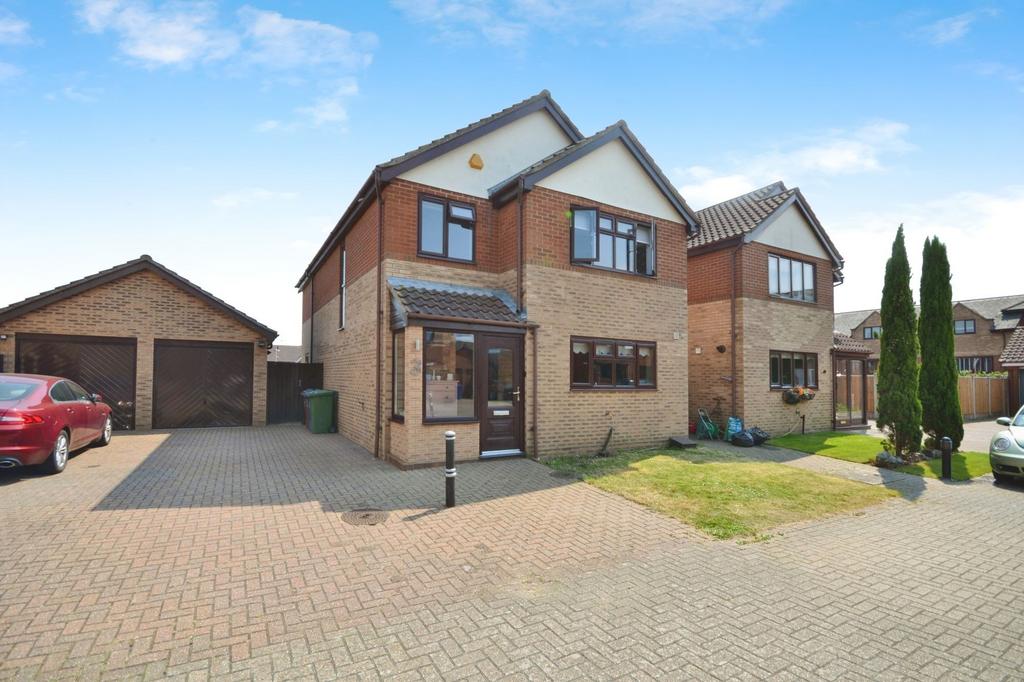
(940, 397)
(899, 409)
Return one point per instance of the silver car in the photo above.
(1006, 451)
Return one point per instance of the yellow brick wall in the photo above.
(148, 307)
(349, 355)
(567, 303)
(776, 325)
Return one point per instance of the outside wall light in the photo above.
(721, 349)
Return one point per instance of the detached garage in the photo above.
(162, 352)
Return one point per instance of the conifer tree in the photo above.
(899, 408)
(938, 391)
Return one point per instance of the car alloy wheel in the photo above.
(60, 452)
(108, 430)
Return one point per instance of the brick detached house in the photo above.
(981, 329)
(514, 281)
(162, 352)
(761, 272)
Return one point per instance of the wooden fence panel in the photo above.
(980, 396)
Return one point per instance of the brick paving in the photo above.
(225, 554)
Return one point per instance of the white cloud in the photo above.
(971, 224)
(13, 31)
(249, 196)
(75, 94)
(282, 43)
(330, 109)
(836, 152)
(267, 126)
(951, 29)
(1000, 71)
(9, 71)
(170, 33)
(463, 21)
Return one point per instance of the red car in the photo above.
(43, 419)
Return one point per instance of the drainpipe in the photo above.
(520, 249)
(533, 395)
(380, 310)
(732, 327)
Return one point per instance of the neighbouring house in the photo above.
(513, 281)
(1012, 360)
(981, 330)
(761, 272)
(852, 385)
(287, 354)
(161, 352)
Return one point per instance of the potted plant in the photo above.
(794, 395)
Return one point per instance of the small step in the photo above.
(682, 442)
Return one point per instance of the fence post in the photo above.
(974, 398)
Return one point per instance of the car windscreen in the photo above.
(15, 390)
(1019, 421)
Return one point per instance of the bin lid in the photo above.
(315, 392)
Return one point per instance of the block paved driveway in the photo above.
(225, 553)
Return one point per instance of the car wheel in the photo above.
(1000, 478)
(58, 458)
(106, 434)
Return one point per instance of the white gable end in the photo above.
(791, 231)
(504, 152)
(611, 175)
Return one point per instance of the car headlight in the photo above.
(1001, 444)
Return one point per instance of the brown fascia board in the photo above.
(389, 170)
(117, 272)
(354, 211)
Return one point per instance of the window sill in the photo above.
(616, 389)
(777, 389)
(601, 268)
(451, 420)
(437, 256)
(398, 419)
(785, 299)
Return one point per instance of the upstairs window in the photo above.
(606, 241)
(975, 364)
(874, 332)
(792, 279)
(963, 327)
(447, 229)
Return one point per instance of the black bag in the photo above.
(743, 439)
(759, 435)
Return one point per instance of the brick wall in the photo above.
(873, 320)
(148, 307)
(710, 372)
(983, 342)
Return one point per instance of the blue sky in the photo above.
(225, 139)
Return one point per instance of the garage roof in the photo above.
(143, 262)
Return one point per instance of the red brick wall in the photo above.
(548, 236)
(709, 276)
(401, 221)
(326, 279)
(361, 242)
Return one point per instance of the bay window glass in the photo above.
(448, 361)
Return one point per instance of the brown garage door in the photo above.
(103, 365)
(199, 383)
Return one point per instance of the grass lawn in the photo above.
(722, 494)
(857, 447)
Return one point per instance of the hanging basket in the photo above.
(794, 396)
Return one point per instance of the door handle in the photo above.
(516, 393)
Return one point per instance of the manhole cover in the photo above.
(365, 517)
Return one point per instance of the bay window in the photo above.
(448, 380)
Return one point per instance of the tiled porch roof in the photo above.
(1013, 354)
(844, 343)
(414, 298)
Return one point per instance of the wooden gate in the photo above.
(285, 383)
